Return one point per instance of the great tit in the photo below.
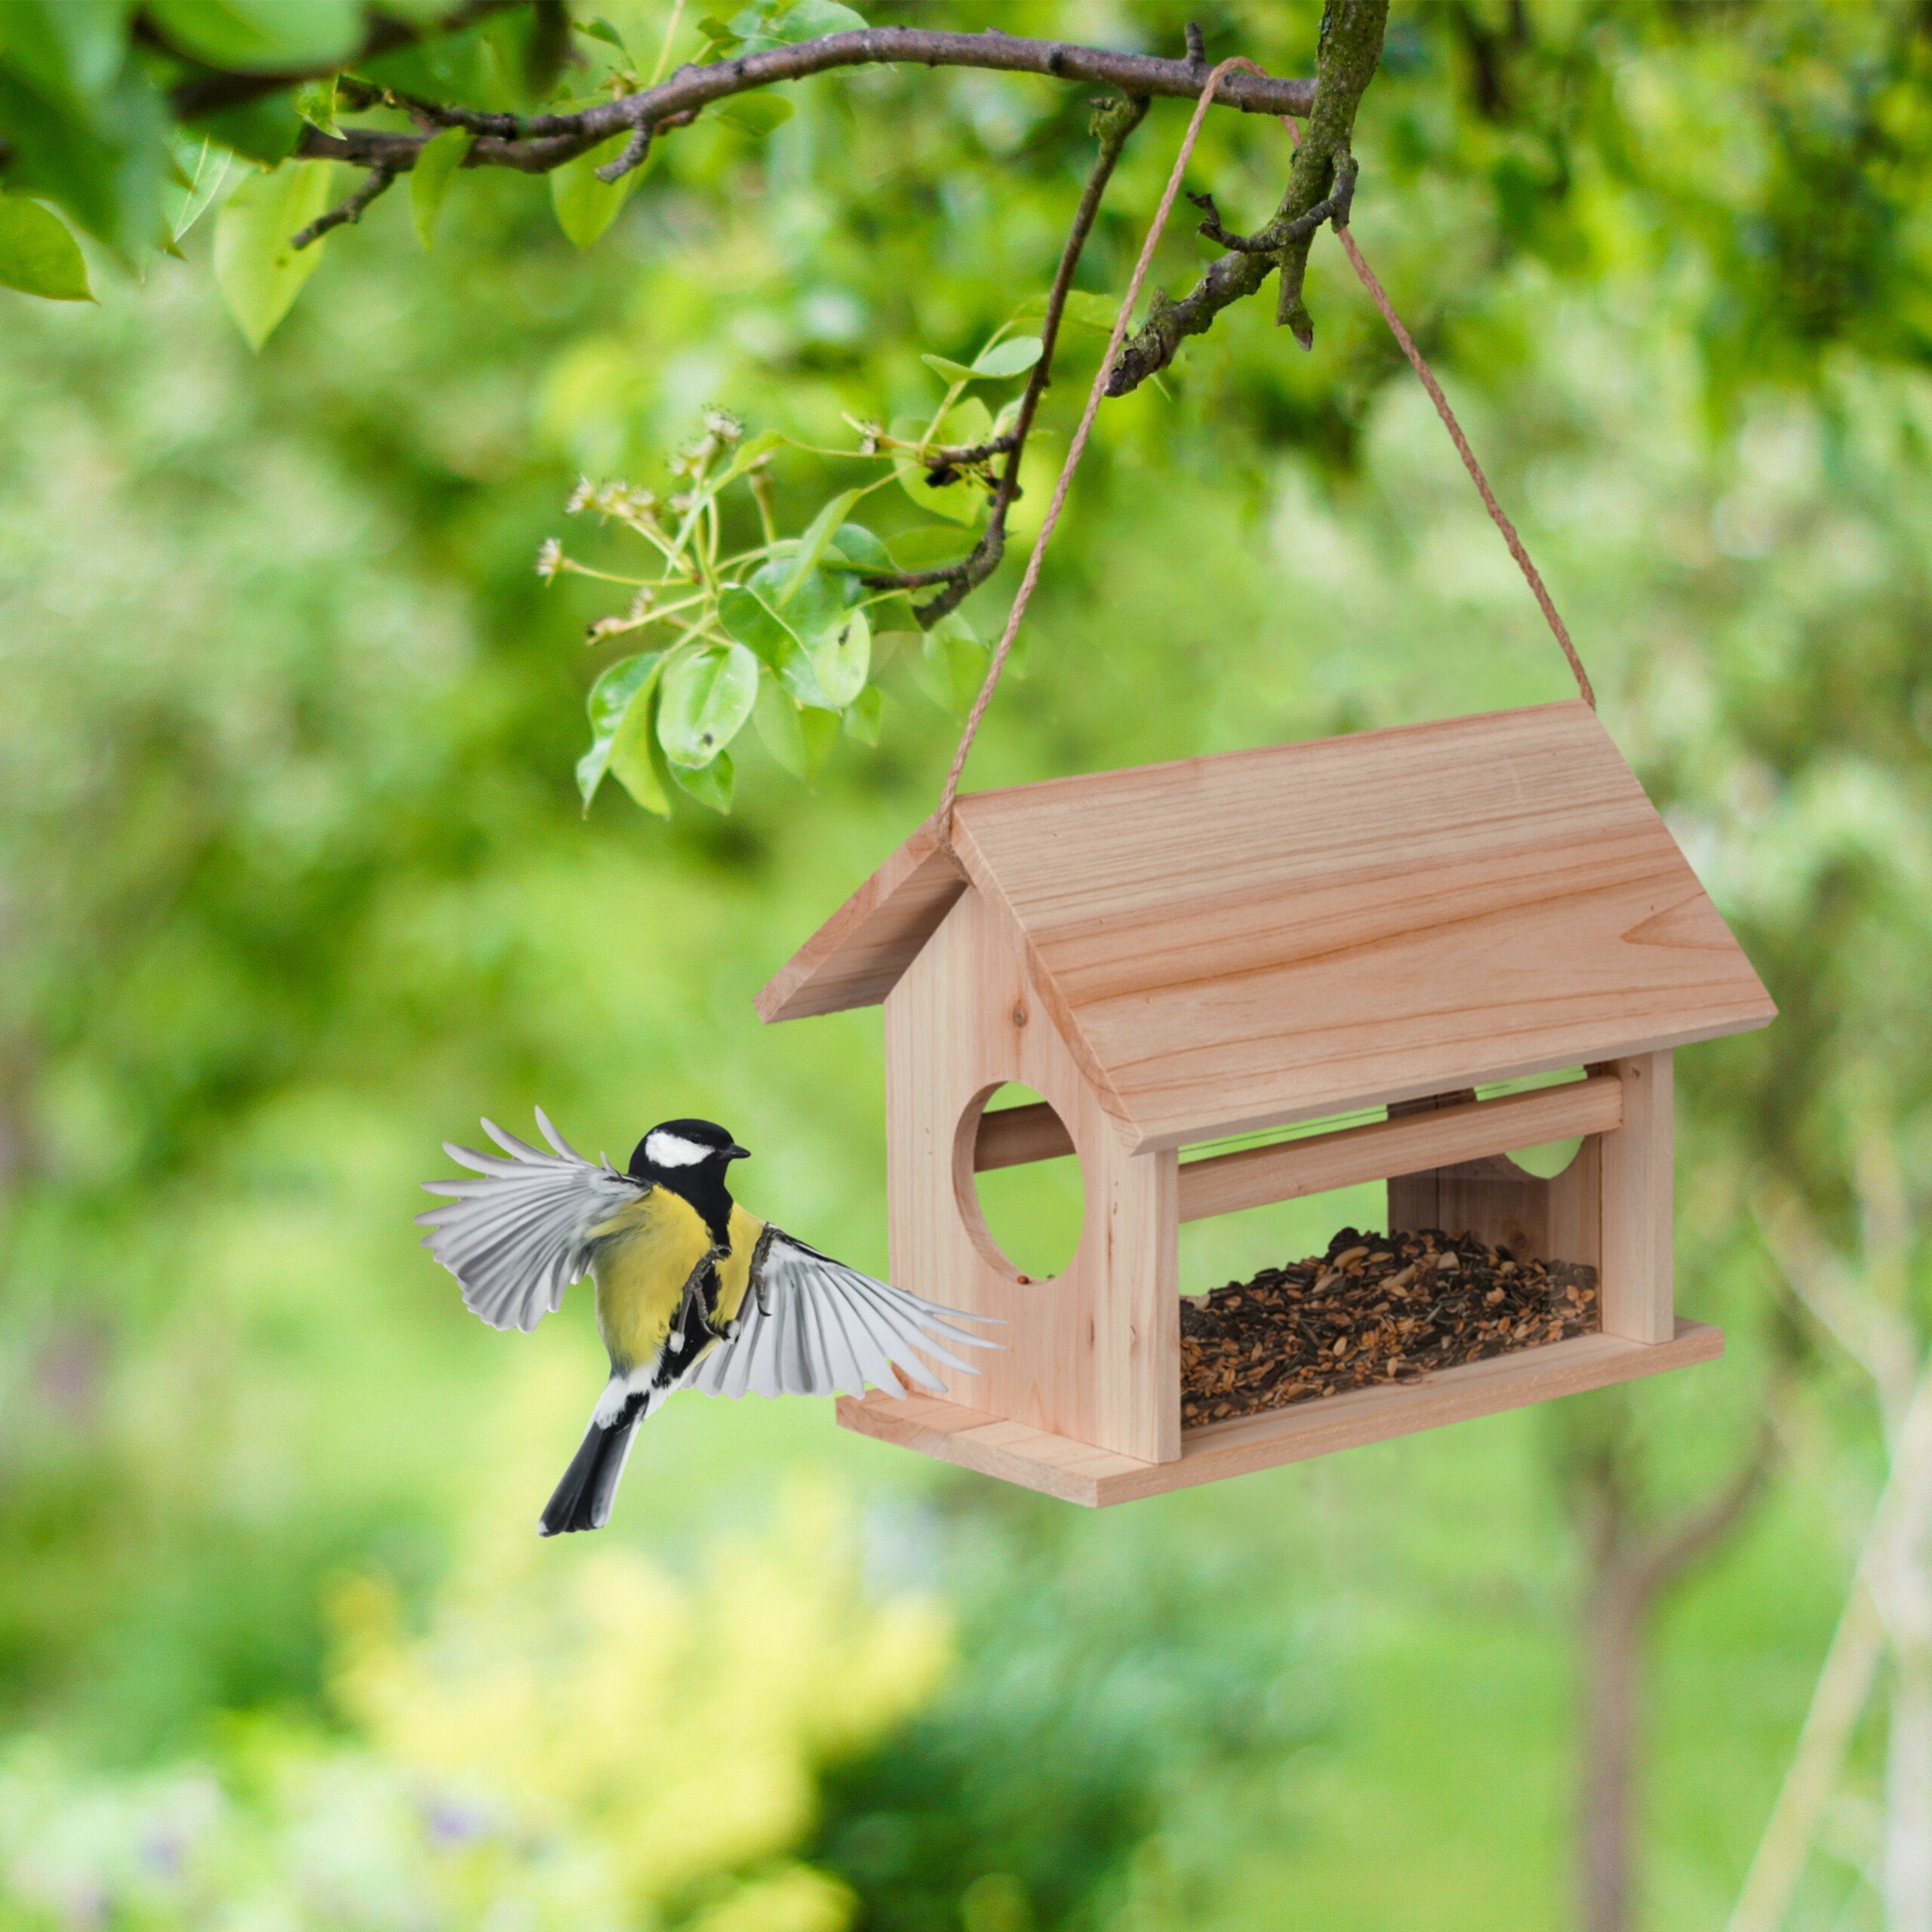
(692, 1292)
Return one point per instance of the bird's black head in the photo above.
(691, 1158)
(683, 1149)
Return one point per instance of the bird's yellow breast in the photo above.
(734, 1271)
(649, 1251)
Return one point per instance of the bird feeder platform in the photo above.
(1249, 944)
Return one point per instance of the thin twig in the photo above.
(636, 151)
(548, 140)
(1114, 122)
(965, 455)
(1346, 57)
(1276, 236)
(377, 183)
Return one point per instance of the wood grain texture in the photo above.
(1078, 1473)
(1015, 1136)
(1231, 943)
(1557, 1218)
(1094, 1355)
(856, 957)
(1636, 1205)
(1406, 1143)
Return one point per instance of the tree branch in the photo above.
(548, 141)
(1114, 121)
(1630, 1567)
(375, 182)
(1350, 50)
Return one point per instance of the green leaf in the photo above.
(68, 51)
(1088, 310)
(636, 761)
(429, 180)
(709, 692)
(315, 101)
(600, 29)
(798, 736)
(892, 612)
(710, 784)
(812, 546)
(463, 65)
(967, 424)
(39, 254)
(265, 131)
(953, 663)
(755, 113)
(619, 709)
(203, 166)
(819, 603)
(1013, 357)
(929, 545)
(749, 452)
(855, 544)
(749, 616)
(262, 35)
(259, 272)
(775, 24)
(585, 206)
(842, 659)
(715, 31)
(862, 714)
(104, 165)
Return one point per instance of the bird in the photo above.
(692, 1291)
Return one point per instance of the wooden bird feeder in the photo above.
(1188, 952)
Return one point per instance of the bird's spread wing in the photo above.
(519, 1235)
(811, 1326)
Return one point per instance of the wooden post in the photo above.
(1094, 1355)
(1637, 1204)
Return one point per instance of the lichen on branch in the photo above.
(1348, 53)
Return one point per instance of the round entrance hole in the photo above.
(1028, 1212)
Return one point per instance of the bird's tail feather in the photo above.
(582, 1501)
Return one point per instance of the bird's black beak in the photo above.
(735, 1152)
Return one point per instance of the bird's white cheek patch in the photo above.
(673, 1150)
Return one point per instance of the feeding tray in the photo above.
(1246, 944)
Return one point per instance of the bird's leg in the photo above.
(757, 1284)
(697, 1307)
(703, 1285)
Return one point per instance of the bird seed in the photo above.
(1375, 1309)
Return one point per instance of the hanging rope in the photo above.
(1531, 575)
(949, 796)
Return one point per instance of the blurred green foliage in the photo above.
(294, 880)
(477, 1776)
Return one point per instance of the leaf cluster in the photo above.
(783, 632)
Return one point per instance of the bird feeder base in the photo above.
(1077, 1473)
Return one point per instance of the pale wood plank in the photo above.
(1406, 1143)
(1636, 1203)
(1231, 943)
(1415, 1200)
(1554, 1219)
(1506, 1206)
(1015, 1136)
(1094, 1355)
(856, 957)
(1038, 1460)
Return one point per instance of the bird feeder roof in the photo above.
(1232, 943)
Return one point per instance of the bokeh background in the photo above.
(294, 884)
